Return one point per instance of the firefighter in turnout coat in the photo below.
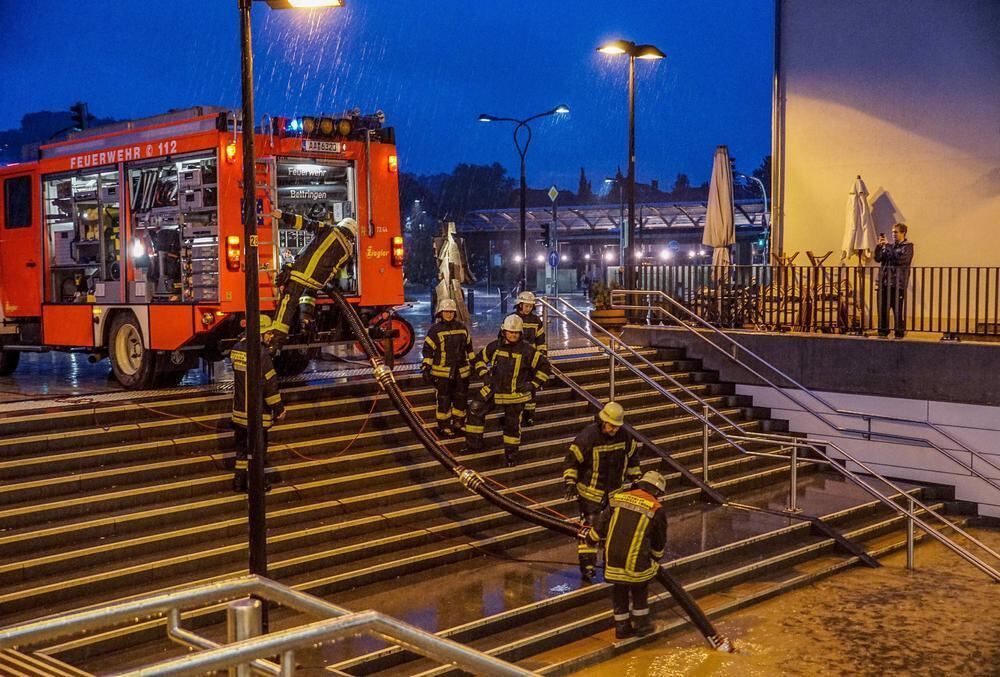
(274, 408)
(634, 530)
(511, 370)
(447, 365)
(601, 460)
(533, 335)
(315, 266)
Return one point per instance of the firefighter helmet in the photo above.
(526, 297)
(265, 323)
(613, 414)
(512, 323)
(447, 305)
(655, 479)
(351, 225)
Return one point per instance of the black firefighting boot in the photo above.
(588, 567)
(458, 427)
(623, 629)
(444, 430)
(510, 457)
(641, 624)
(272, 476)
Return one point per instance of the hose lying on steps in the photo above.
(475, 483)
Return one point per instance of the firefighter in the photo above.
(512, 370)
(274, 408)
(533, 335)
(599, 462)
(446, 365)
(315, 266)
(634, 530)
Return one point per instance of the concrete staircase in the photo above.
(105, 500)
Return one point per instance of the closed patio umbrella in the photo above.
(720, 224)
(859, 231)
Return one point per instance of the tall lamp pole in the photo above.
(522, 151)
(649, 53)
(256, 509)
(763, 216)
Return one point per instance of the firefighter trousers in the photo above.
(476, 425)
(452, 400)
(242, 463)
(638, 595)
(295, 295)
(586, 550)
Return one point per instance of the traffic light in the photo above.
(80, 114)
(546, 235)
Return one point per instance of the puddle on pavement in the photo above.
(940, 619)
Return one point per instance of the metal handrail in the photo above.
(868, 416)
(335, 622)
(752, 436)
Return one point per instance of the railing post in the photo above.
(611, 371)
(287, 664)
(793, 489)
(545, 323)
(704, 445)
(909, 533)
(243, 621)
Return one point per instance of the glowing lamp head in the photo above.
(518, 258)
(393, 164)
(231, 152)
(326, 126)
(540, 258)
(664, 254)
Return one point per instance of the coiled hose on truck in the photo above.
(475, 483)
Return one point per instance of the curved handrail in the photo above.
(869, 416)
(752, 436)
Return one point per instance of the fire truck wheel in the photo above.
(405, 337)
(8, 361)
(132, 364)
(292, 362)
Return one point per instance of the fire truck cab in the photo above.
(126, 241)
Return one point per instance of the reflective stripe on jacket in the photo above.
(273, 406)
(600, 464)
(634, 527)
(448, 350)
(325, 256)
(511, 371)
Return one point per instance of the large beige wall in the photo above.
(907, 94)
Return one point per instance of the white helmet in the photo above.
(512, 323)
(656, 479)
(447, 305)
(526, 297)
(351, 225)
(613, 413)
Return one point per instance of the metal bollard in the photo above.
(909, 533)
(793, 489)
(503, 303)
(243, 621)
(611, 372)
(470, 301)
(704, 446)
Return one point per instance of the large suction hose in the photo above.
(473, 481)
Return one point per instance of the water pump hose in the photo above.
(474, 482)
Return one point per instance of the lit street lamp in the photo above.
(633, 51)
(522, 151)
(256, 513)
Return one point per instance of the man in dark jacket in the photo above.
(274, 408)
(598, 463)
(894, 275)
(446, 365)
(634, 530)
(511, 370)
(315, 266)
(534, 335)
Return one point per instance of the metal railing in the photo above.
(692, 322)
(953, 301)
(705, 412)
(248, 649)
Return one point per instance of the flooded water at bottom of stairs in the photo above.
(940, 619)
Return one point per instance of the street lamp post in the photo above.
(617, 181)
(522, 151)
(763, 216)
(633, 51)
(256, 510)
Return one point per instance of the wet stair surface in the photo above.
(103, 501)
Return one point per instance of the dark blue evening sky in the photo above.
(433, 66)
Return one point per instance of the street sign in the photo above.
(554, 258)
(553, 193)
(674, 246)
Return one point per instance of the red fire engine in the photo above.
(126, 240)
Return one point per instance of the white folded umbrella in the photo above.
(720, 223)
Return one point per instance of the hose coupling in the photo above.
(469, 478)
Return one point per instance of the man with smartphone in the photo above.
(894, 275)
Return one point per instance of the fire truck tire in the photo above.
(292, 362)
(8, 361)
(405, 337)
(132, 364)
